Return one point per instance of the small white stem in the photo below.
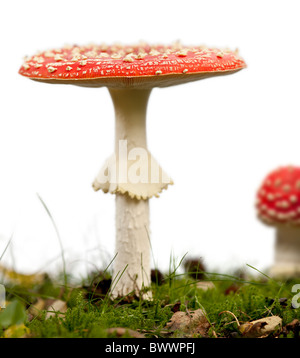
(287, 252)
(132, 215)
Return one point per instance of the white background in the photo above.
(217, 138)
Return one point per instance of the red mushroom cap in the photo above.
(278, 198)
(136, 66)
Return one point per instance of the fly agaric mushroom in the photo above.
(278, 204)
(130, 73)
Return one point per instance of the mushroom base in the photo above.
(286, 271)
(287, 253)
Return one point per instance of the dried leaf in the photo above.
(205, 285)
(16, 331)
(37, 307)
(190, 322)
(21, 279)
(293, 326)
(57, 306)
(261, 327)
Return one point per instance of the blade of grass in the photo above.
(6, 247)
(58, 236)
(268, 277)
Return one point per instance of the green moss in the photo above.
(86, 317)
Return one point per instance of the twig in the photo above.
(233, 315)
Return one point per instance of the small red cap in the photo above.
(134, 66)
(278, 198)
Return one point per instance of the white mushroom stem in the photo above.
(287, 252)
(132, 215)
(132, 247)
(131, 170)
(130, 112)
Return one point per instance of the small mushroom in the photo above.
(130, 73)
(278, 205)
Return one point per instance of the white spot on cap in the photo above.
(271, 212)
(158, 72)
(75, 58)
(58, 57)
(257, 202)
(185, 70)
(283, 204)
(128, 58)
(140, 55)
(49, 54)
(68, 68)
(116, 56)
(262, 192)
(51, 69)
(277, 182)
(154, 52)
(39, 59)
(182, 53)
(293, 199)
(281, 216)
(268, 182)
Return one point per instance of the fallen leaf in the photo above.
(21, 279)
(261, 327)
(36, 308)
(190, 322)
(55, 307)
(293, 326)
(16, 331)
(205, 285)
